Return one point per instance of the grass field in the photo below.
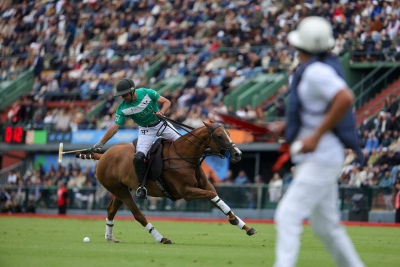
(30, 242)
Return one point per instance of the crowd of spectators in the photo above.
(79, 49)
(37, 187)
(379, 164)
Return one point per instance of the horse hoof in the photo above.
(234, 221)
(166, 241)
(251, 231)
(113, 240)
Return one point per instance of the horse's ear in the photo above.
(212, 121)
(207, 124)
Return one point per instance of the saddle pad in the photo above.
(154, 162)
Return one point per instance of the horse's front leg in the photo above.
(139, 216)
(124, 196)
(233, 219)
(220, 204)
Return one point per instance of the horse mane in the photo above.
(206, 125)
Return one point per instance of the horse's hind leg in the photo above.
(112, 209)
(220, 204)
(126, 197)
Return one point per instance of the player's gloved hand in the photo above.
(98, 146)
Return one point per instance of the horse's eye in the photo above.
(219, 136)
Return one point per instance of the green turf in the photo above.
(27, 242)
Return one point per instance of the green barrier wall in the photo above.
(16, 88)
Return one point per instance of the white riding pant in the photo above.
(148, 134)
(313, 194)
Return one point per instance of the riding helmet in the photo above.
(124, 86)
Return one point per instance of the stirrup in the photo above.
(139, 192)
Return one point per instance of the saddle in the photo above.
(154, 166)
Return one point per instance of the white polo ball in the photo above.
(86, 240)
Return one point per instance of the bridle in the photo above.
(223, 150)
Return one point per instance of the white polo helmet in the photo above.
(313, 35)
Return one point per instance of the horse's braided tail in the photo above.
(94, 156)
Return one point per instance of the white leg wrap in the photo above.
(221, 204)
(153, 231)
(241, 223)
(109, 228)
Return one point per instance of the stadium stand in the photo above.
(60, 60)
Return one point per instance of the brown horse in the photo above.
(181, 174)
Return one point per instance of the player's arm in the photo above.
(338, 108)
(110, 133)
(165, 104)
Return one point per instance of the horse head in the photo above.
(222, 143)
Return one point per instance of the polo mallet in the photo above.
(61, 152)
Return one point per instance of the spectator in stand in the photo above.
(355, 177)
(365, 158)
(20, 193)
(15, 113)
(368, 123)
(376, 25)
(363, 138)
(369, 46)
(392, 25)
(386, 139)
(383, 120)
(228, 179)
(386, 186)
(275, 186)
(394, 123)
(366, 176)
(4, 197)
(38, 65)
(392, 105)
(389, 158)
(62, 197)
(375, 177)
(372, 142)
(393, 158)
(350, 158)
(12, 178)
(395, 144)
(280, 107)
(241, 178)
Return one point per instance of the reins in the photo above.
(207, 151)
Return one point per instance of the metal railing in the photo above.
(17, 88)
(365, 83)
(20, 167)
(382, 82)
(249, 196)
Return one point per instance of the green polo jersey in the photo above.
(140, 110)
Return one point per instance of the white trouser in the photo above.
(313, 194)
(148, 134)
